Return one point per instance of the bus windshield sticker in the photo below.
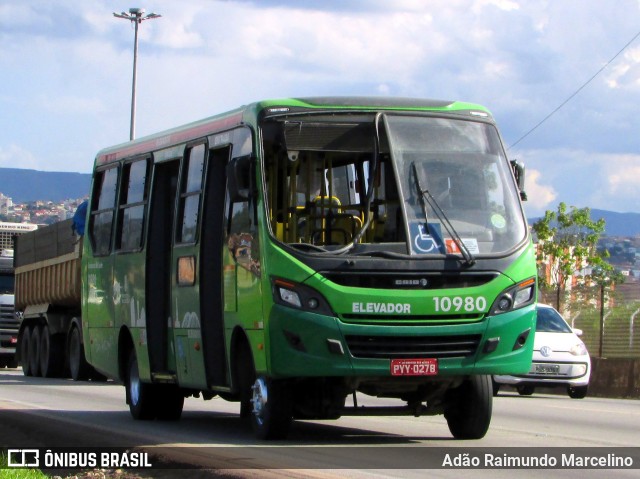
(470, 243)
(426, 238)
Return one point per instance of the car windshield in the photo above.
(6, 283)
(390, 183)
(550, 321)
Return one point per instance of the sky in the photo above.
(66, 71)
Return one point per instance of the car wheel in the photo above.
(525, 390)
(468, 408)
(578, 392)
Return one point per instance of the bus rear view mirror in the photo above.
(239, 178)
(518, 172)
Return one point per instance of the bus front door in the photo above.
(159, 259)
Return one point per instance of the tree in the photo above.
(567, 241)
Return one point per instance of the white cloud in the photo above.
(626, 72)
(623, 176)
(540, 196)
(15, 156)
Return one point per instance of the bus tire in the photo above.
(469, 408)
(170, 408)
(25, 345)
(78, 367)
(34, 351)
(271, 414)
(246, 376)
(51, 354)
(141, 396)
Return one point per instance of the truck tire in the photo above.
(51, 354)
(78, 367)
(469, 407)
(34, 351)
(142, 397)
(25, 345)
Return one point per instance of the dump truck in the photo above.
(47, 297)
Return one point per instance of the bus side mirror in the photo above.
(518, 172)
(239, 181)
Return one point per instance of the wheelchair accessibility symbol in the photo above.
(423, 242)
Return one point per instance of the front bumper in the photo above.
(550, 374)
(302, 344)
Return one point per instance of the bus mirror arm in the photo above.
(518, 172)
(239, 179)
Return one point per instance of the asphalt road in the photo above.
(53, 413)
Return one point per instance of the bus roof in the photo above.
(225, 121)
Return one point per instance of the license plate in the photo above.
(546, 368)
(414, 367)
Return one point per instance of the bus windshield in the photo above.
(391, 183)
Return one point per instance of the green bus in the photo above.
(293, 252)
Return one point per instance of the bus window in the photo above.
(190, 194)
(104, 198)
(133, 200)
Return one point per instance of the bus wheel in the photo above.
(469, 408)
(34, 351)
(271, 413)
(78, 367)
(140, 396)
(170, 408)
(51, 354)
(25, 343)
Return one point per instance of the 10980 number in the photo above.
(469, 304)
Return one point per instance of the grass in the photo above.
(6, 473)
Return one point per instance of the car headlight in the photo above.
(578, 349)
(515, 297)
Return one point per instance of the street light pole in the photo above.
(136, 16)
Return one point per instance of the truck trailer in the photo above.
(47, 297)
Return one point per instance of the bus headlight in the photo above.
(515, 297)
(296, 295)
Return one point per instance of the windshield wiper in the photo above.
(426, 198)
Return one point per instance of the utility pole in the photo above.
(136, 16)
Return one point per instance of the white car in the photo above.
(560, 359)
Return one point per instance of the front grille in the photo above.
(409, 319)
(404, 280)
(8, 320)
(397, 347)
